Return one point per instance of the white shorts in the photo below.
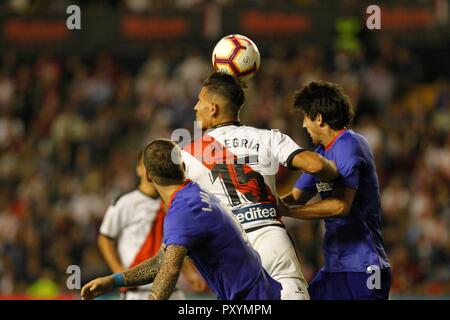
(143, 295)
(280, 260)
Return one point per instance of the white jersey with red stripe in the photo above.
(129, 221)
(238, 164)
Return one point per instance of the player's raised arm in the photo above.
(169, 272)
(316, 165)
(143, 273)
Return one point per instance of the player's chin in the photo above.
(313, 139)
(200, 123)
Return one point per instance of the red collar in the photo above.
(178, 189)
(329, 145)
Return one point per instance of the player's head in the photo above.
(163, 164)
(144, 185)
(324, 106)
(219, 100)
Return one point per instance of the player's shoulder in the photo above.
(255, 129)
(351, 142)
(240, 131)
(192, 198)
(185, 197)
(351, 148)
(269, 134)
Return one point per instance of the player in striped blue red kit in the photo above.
(350, 206)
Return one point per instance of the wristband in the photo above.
(119, 279)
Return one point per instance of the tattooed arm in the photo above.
(167, 277)
(143, 273)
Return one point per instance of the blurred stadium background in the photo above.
(75, 107)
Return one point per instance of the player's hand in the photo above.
(283, 208)
(97, 287)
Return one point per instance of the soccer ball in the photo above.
(236, 55)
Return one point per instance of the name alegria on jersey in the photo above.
(324, 186)
(205, 149)
(204, 197)
(213, 152)
(242, 143)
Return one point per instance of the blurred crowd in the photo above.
(152, 6)
(71, 128)
(135, 6)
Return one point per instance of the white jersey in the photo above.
(134, 220)
(238, 164)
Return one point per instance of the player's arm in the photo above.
(190, 273)
(168, 274)
(338, 205)
(143, 273)
(316, 165)
(108, 249)
(297, 197)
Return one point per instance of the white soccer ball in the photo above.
(236, 55)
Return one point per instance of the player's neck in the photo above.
(223, 121)
(329, 135)
(147, 190)
(166, 192)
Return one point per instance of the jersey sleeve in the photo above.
(284, 148)
(113, 222)
(180, 227)
(349, 162)
(307, 183)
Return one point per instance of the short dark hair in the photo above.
(329, 100)
(159, 163)
(229, 88)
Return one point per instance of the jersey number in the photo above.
(242, 178)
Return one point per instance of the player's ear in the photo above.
(319, 119)
(140, 170)
(214, 109)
